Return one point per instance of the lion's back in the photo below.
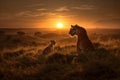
(86, 44)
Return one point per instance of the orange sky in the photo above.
(47, 13)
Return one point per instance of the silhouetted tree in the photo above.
(37, 34)
(21, 33)
(2, 33)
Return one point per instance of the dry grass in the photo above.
(21, 59)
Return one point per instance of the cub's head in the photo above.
(76, 30)
(52, 42)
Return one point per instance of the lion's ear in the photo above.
(72, 26)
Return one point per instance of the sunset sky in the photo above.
(48, 13)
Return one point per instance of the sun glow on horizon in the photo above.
(60, 25)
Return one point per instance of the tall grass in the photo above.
(25, 62)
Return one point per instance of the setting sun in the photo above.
(59, 25)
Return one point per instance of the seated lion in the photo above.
(83, 44)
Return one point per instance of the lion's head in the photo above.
(76, 30)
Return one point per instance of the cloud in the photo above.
(27, 14)
(47, 13)
(22, 13)
(61, 9)
(83, 7)
(41, 9)
(35, 13)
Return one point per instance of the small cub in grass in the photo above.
(49, 48)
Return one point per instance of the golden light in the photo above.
(59, 25)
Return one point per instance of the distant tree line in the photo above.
(21, 33)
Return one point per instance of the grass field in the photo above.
(21, 56)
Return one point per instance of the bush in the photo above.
(2, 33)
(93, 71)
(56, 58)
(26, 61)
(37, 34)
(21, 33)
(60, 58)
(9, 55)
(99, 71)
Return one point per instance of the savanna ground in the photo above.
(21, 59)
